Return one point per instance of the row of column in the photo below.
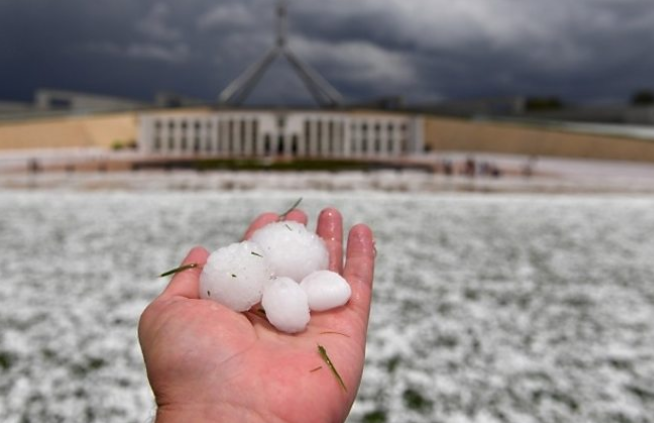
(315, 137)
(183, 135)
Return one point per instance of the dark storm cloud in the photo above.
(424, 49)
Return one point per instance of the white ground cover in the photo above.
(507, 308)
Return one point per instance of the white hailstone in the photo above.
(326, 290)
(286, 305)
(235, 275)
(293, 251)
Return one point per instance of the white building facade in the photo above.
(310, 134)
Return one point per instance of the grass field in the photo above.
(504, 308)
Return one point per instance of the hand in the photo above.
(206, 362)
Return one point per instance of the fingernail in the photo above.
(329, 212)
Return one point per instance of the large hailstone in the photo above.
(293, 251)
(286, 305)
(326, 290)
(235, 275)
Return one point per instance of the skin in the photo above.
(208, 363)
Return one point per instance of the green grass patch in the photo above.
(377, 416)
(6, 360)
(413, 400)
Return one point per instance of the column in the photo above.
(347, 138)
(230, 123)
(145, 135)
(322, 137)
(200, 141)
(417, 135)
(177, 136)
(312, 141)
(355, 137)
(384, 147)
(222, 136)
(337, 148)
(303, 149)
(396, 145)
(260, 140)
(249, 144)
(213, 135)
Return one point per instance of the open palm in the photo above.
(208, 363)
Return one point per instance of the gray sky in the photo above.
(580, 50)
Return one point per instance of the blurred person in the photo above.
(206, 362)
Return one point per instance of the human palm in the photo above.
(206, 362)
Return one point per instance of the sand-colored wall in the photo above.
(443, 134)
(100, 131)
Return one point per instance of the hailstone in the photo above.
(326, 290)
(286, 305)
(235, 275)
(293, 251)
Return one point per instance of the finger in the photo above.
(261, 221)
(186, 283)
(297, 215)
(330, 229)
(359, 269)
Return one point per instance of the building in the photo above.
(291, 133)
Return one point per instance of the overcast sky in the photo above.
(580, 50)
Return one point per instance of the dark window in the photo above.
(242, 136)
(220, 132)
(255, 134)
(330, 137)
(267, 145)
(230, 136)
(307, 131)
(280, 145)
(294, 145)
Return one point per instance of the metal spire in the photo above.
(239, 89)
(281, 24)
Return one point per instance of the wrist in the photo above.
(212, 414)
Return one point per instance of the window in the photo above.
(294, 145)
(267, 145)
(255, 131)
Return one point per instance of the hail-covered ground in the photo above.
(505, 308)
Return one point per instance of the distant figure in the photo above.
(528, 169)
(484, 168)
(448, 168)
(33, 166)
(470, 167)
